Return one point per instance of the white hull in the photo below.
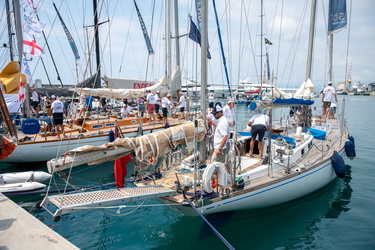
(38, 176)
(283, 191)
(43, 151)
(21, 187)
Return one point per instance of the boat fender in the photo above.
(351, 138)
(222, 176)
(338, 165)
(6, 147)
(350, 150)
(111, 135)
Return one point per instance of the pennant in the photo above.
(30, 46)
(195, 35)
(145, 34)
(267, 41)
(26, 70)
(68, 35)
(32, 26)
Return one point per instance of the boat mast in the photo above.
(203, 150)
(97, 50)
(177, 79)
(311, 40)
(9, 30)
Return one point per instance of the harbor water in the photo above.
(341, 216)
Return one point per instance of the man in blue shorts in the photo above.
(259, 124)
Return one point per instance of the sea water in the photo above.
(341, 216)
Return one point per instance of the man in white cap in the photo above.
(328, 93)
(182, 103)
(157, 101)
(58, 111)
(221, 136)
(228, 112)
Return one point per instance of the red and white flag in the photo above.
(30, 46)
(27, 4)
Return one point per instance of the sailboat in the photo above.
(305, 157)
(37, 142)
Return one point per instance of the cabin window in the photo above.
(302, 151)
(97, 126)
(134, 121)
(109, 125)
(310, 144)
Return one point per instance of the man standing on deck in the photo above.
(328, 93)
(157, 101)
(259, 124)
(182, 103)
(221, 136)
(150, 104)
(228, 112)
(58, 111)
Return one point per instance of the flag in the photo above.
(21, 92)
(68, 35)
(27, 4)
(337, 18)
(267, 41)
(26, 70)
(195, 35)
(30, 46)
(145, 34)
(32, 26)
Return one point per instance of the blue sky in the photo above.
(124, 53)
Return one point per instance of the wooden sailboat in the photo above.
(298, 162)
(42, 145)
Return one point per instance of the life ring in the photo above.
(222, 176)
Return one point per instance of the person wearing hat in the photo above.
(221, 136)
(211, 101)
(150, 104)
(82, 106)
(328, 93)
(165, 104)
(157, 101)
(259, 124)
(58, 111)
(125, 111)
(228, 112)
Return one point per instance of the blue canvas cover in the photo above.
(30, 126)
(317, 134)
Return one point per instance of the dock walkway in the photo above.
(21, 230)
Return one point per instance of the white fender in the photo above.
(222, 175)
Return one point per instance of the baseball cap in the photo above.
(216, 110)
(157, 91)
(329, 83)
(231, 101)
(53, 96)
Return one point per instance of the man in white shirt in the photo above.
(328, 93)
(58, 111)
(221, 136)
(228, 112)
(150, 104)
(165, 104)
(182, 103)
(125, 111)
(259, 124)
(35, 102)
(157, 101)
